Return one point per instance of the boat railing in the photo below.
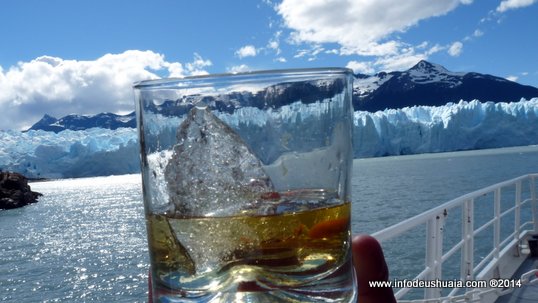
(501, 262)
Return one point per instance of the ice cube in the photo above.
(212, 171)
(212, 243)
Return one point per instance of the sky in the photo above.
(61, 57)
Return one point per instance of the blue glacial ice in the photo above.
(420, 129)
(92, 152)
(452, 127)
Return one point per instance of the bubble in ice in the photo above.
(212, 171)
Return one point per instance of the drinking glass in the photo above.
(246, 186)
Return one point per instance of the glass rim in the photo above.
(291, 72)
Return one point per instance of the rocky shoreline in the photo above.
(15, 191)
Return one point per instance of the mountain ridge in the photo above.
(82, 122)
(425, 83)
(431, 84)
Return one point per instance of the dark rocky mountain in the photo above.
(431, 84)
(424, 84)
(81, 122)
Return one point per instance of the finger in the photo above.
(150, 288)
(370, 265)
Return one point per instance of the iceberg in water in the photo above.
(420, 129)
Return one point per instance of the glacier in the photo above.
(452, 127)
(458, 126)
(70, 154)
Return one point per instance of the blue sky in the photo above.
(61, 57)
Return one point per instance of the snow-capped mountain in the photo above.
(81, 122)
(425, 84)
(422, 73)
(432, 85)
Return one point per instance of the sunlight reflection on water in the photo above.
(85, 240)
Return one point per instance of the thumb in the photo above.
(370, 265)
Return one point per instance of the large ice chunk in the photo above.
(212, 171)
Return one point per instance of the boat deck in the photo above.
(511, 205)
(526, 293)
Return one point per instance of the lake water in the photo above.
(392, 189)
(85, 239)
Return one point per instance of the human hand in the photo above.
(370, 265)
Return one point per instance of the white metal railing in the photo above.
(489, 267)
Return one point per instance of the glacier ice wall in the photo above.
(69, 154)
(420, 129)
(452, 127)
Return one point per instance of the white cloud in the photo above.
(407, 57)
(301, 53)
(281, 59)
(239, 68)
(310, 53)
(455, 49)
(360, 26)
(332, 51)
(478, 33)
(59, 86)
(198, 65)
(400, 62)
(246, 51)
(434, 49)
(513, 4)
(422, 45)
(512, 78)
(274, 43)
(176, 70)
(361, 67)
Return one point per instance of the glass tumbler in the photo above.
(246, 186)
